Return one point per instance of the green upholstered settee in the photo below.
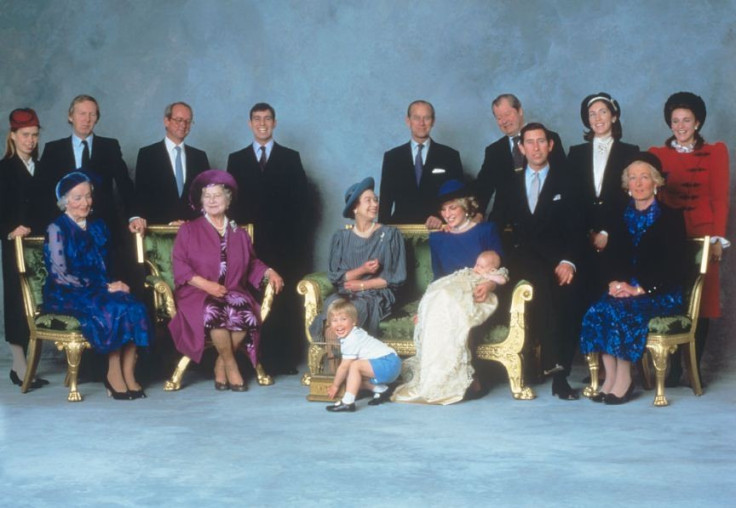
(668, 333)
(501, 343)
(153, 249)
(63, 331)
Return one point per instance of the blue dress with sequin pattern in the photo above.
(76, 260)
(619, 326)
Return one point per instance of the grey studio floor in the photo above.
(270, 447)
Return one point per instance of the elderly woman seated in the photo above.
(466, 264)
(367, 263)
(217, 274)
(76, 257)
(646, 267)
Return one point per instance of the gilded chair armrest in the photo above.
(268, 295)
(163, 296)
(315, 287)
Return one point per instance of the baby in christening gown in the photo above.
(441, 373)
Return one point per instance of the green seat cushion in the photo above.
(400, 324)
(670, 325)
(158, 248)
(57, 323)
(496, 335)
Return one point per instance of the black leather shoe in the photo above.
(598, 397)
(36, 383)
(613, 400)
(341, 407)
(378, 398)
(239, 388)
(562, 389)
(221, 387)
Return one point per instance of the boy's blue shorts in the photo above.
(385, 369)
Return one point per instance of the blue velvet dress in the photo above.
(619, 326)
(76, 260)
(452, 252)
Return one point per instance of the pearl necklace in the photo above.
(220, 230)
(462, 226)
(365, 234)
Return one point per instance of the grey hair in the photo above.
(63, 200)
(513, 100)
(170, 108)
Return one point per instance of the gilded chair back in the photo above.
(154, 249)
(63, 330)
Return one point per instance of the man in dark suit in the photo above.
(503, 158)
(541, 206)
(165, 170)
(273, 195)
(103, 160)
(412, 173)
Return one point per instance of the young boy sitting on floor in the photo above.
(366, 361)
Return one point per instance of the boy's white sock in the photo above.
(348, 398)
(380, 388)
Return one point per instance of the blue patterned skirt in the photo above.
(619, 326)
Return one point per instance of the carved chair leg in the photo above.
(693, 371)
(660, 355)
(593, 360)
(645, 370)
(174, 383)
(263, 378)
(73, 357)
(34, 353)
(514, 368)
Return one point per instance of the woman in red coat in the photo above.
(697, 176)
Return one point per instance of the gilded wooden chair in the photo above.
(668, 333)
(500, 343)
(64, 331)
(154, 250)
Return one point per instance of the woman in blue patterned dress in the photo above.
(76, 257)
(646, 268)
(367, 263)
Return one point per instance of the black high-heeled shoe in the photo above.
(599, 397)
(137, 394)
(36, 383)
(613, 400)
(117, 395)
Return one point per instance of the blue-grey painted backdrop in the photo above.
(341, 73)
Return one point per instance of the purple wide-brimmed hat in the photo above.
(207, 178)
(69, 181)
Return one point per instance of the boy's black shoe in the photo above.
(341, 407)
(378, 398)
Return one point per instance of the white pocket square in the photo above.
(557, 197)
(438, 171)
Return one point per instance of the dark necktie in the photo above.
(85, 154)
(516, 154)
(179, 169)
(418, 166)
(262, 160)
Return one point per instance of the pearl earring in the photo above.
(655, 191)
(629, 193)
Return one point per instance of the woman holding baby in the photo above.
(459, 299)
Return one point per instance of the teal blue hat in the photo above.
(353, 193)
